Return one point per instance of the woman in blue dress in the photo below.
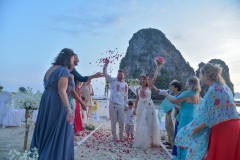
(188, 102)
(53, 133)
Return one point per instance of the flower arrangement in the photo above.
(27, 99)
(90, 127)
(159, 61)
(27, 155)
(217, 65)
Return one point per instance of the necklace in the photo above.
(143, 92)
(118, 87)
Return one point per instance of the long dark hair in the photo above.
(146, 78)
(63, 58)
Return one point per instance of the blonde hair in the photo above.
(194, 84)
(213, 73)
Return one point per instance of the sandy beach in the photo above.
(98, 146)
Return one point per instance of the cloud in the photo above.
(89, 17)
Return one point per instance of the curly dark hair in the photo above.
(63, 58)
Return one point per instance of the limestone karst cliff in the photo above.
(143, 47)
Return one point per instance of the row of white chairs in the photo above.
(9, 114)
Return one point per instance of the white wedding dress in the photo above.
(147, 130)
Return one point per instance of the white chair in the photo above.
(9, 116)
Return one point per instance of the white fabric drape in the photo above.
(9, 116)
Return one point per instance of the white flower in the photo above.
(28, 104)
(27, 100)
(13, 154)
(217, 65)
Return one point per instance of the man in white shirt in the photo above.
(118, 100)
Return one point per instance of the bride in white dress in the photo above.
(147, 130)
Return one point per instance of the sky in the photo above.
(32, 33)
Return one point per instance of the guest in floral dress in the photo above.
(215, 133)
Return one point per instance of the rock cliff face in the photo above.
(144, 46)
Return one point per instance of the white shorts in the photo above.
(129, 129)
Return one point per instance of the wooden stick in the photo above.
(26, 130)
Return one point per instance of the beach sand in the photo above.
(98, 146)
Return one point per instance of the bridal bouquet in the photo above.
(27, 99)
(159, 61)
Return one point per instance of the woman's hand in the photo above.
(84, 107)
(164, 92)
(198, 128)
(69, 117)
(195, 131)
(83, 116)
(135, 111)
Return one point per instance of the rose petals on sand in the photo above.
(100, 146)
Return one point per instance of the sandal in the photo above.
(169, 147)
(166, 143)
